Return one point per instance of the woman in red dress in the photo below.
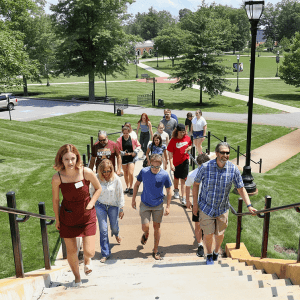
(77, 215)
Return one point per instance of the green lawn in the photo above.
(27, 155)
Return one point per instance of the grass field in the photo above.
(27, 155)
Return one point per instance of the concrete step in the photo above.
(173, 278)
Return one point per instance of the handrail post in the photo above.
(238, 155)
(208, 143)
(193, 153)
(92, 142)
(239, 225)
(264, 248)
(191, 160)
(298, 257)
(84, 160)
(44, 232)
(260, 163)
(88, 152)
(225, 139)
(15, 236)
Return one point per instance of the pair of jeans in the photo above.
(112, 212)
(144, 140)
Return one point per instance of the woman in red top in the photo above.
(77, 215)
(178, 148)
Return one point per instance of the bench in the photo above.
(144, 75)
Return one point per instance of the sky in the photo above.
(173, 6)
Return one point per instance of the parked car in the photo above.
(8, 101)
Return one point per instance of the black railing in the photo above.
(263, 214)
(14, 221)
(144, 99)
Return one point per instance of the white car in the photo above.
(8, 101)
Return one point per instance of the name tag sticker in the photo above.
(79, 184)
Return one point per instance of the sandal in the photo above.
(144, 239)
(156, 256)
(103, 259)
(88, 269)
(118, 239)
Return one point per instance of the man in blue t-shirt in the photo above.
(154, 179)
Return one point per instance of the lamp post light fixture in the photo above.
(105, 66)
(136, 63)
(277, 61)
(254, 11)
(237, 73)
(157, 57)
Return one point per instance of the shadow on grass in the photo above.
(283, 97)
(191, 105)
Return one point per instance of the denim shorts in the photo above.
(197, 134)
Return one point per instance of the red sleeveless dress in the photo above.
(75, 220)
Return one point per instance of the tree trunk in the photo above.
(92, 85)
(200, 94)
(25, 86)
(173, 62)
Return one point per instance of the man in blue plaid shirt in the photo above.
(217, 176)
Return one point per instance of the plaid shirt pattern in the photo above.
(216, 184)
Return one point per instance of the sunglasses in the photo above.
(224, 152)
(104, 172)
(102, 140)
(155, 167)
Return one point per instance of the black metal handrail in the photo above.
(263, 214)
(14, 220)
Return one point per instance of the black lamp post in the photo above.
(237, 73)
(105, 65)
(136, 63)
(277, 61)
(254, 11)
(157, 57)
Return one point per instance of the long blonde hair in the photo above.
(104, 164)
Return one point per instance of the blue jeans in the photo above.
(102, 211)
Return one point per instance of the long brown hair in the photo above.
(147, 118)
(61, 152)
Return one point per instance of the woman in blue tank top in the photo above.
(146, 131)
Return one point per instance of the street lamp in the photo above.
(254, 11)
(277, 61)
(157, 56)
(237, 74)
(105, 65)
(136, 63)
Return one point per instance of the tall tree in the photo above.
(201, 63)
(290, 68)
(91, 32)
(171, 42)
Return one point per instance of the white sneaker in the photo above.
(183, 201)
(76, 284)
(176, 194)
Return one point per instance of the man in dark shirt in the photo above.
(105, 149)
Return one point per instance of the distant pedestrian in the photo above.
(109, 204)
(201, 158)
(217, 177)
(76, 217)
(146, 132)
(188, 123)
(172, 115)
(131, 132)
(157, 147)
(163, 134)
(129, 149)
(169, 123)
(178, 149)
(105, 149)
(154, 180)
(199, 127)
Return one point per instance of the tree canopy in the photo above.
(90, 32)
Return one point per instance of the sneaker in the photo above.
(215, 256)
(126, 191)
(76, 284)
(130, 191)
(209, 259)
(176, 194)
(183, 201)
(200, 251)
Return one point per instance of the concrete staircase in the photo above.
(181, 277)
